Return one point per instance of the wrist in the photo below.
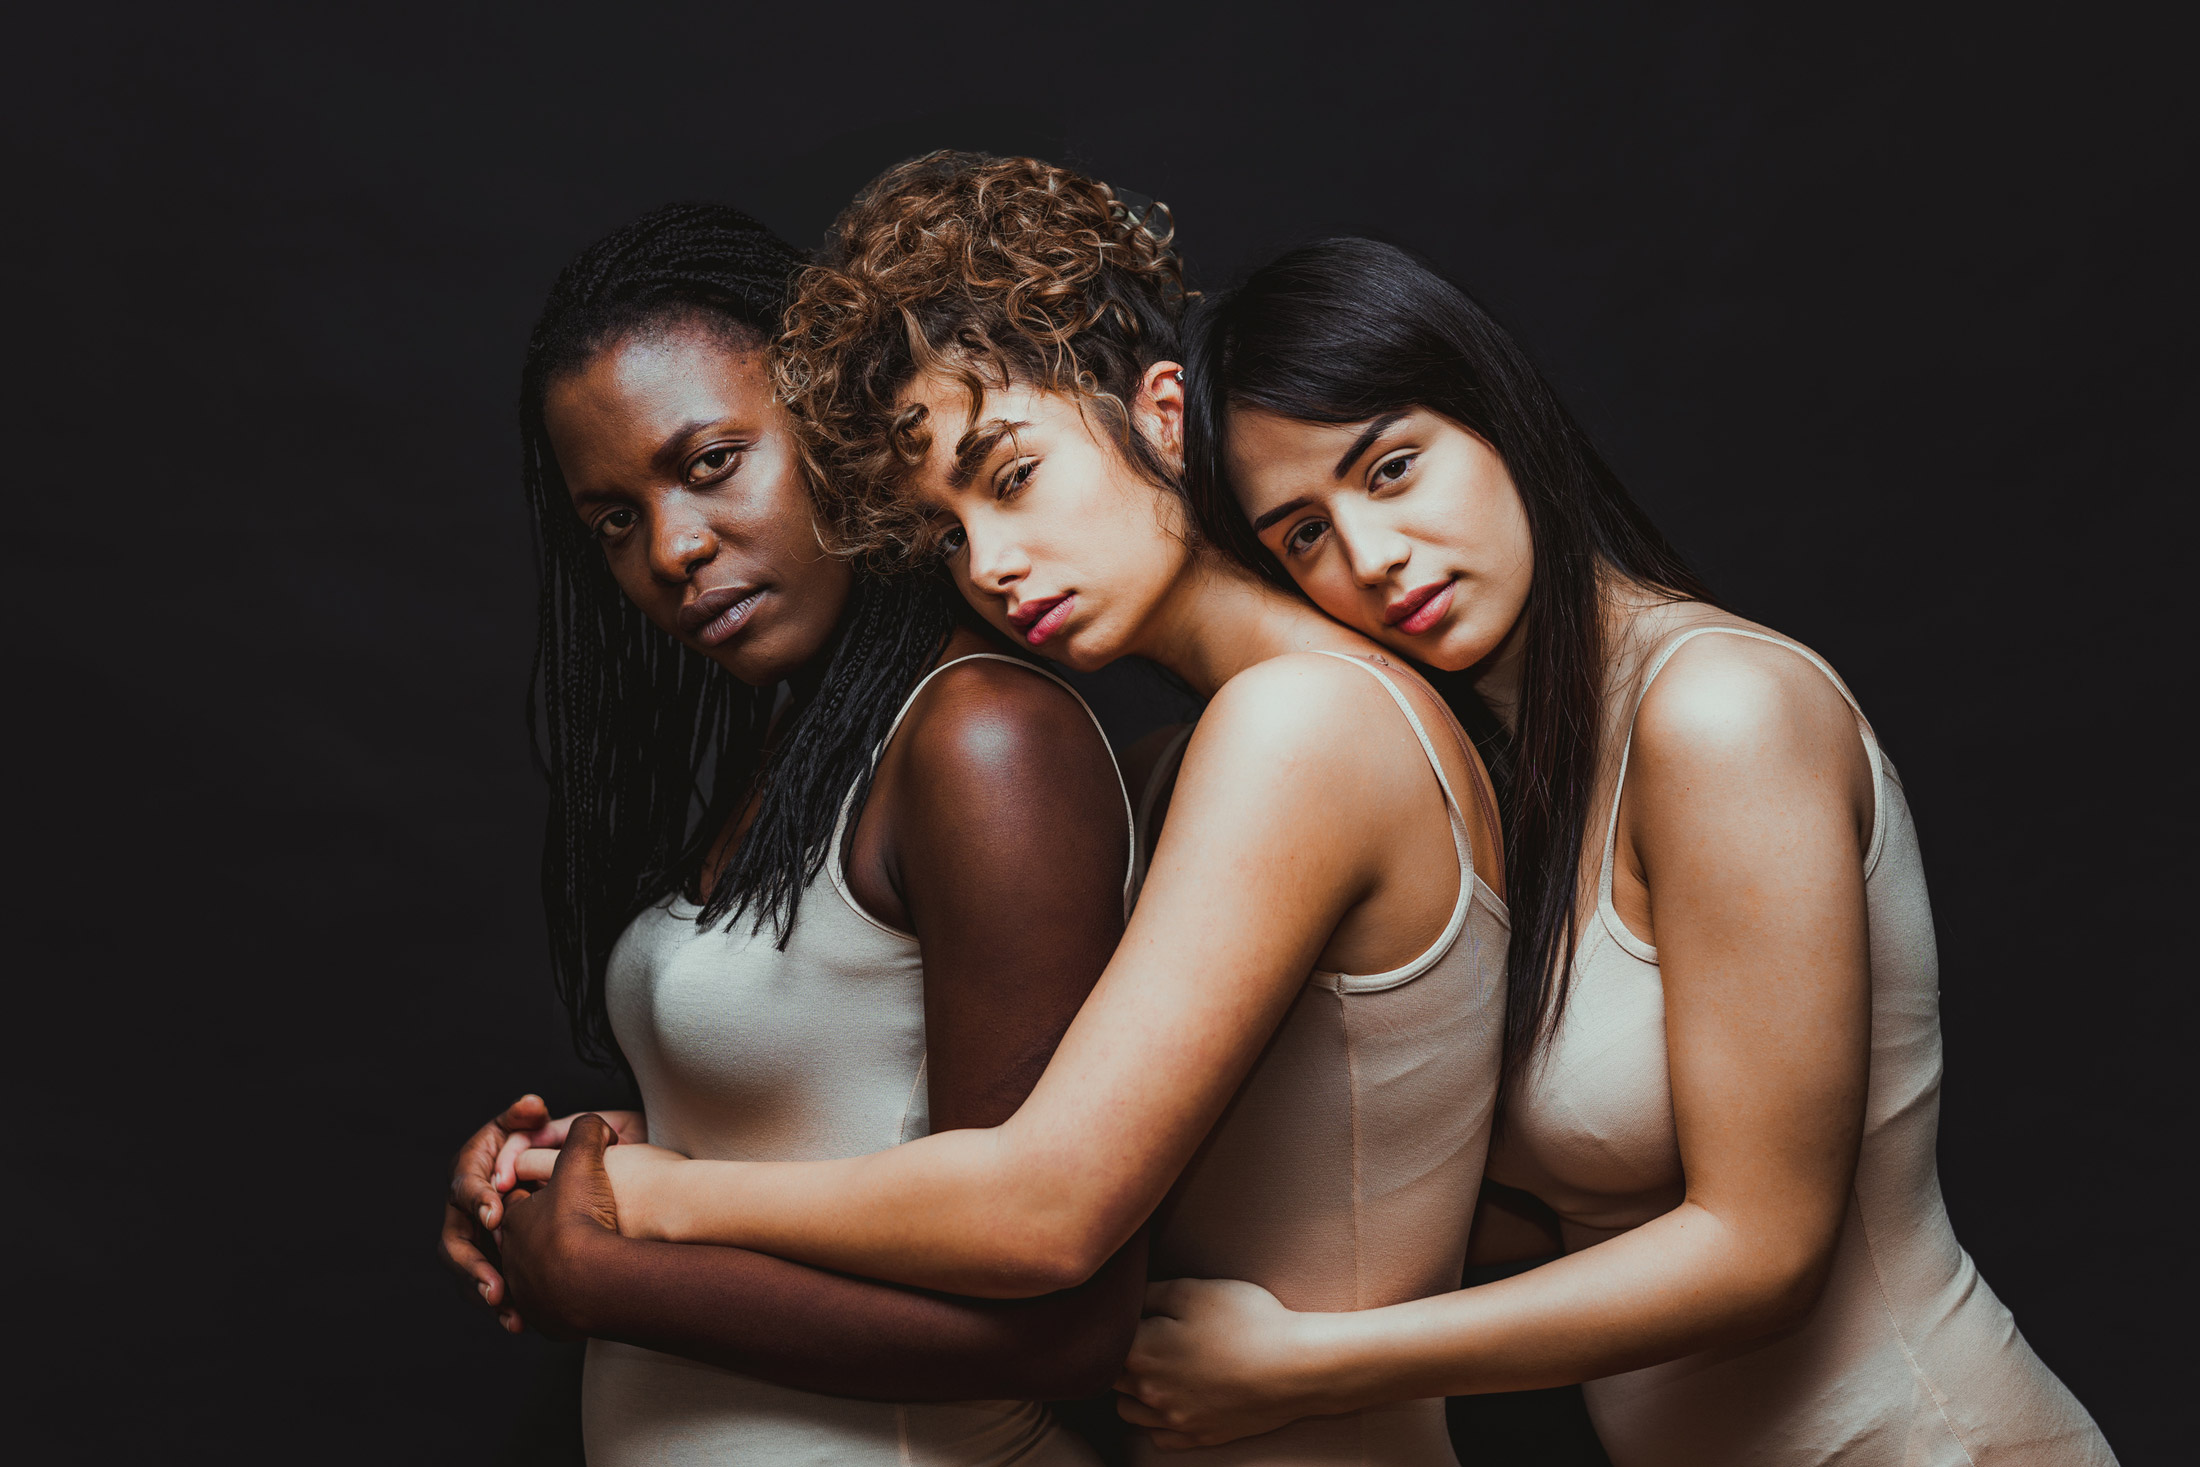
(593, 1283)
(649, 1200)
(1329, 1365)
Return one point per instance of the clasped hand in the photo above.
(485, 1177)
(1218, 1359)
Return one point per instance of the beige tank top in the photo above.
(1908, 1359)
(747, 1052)
(1344, 1173)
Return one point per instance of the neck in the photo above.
(1622, 604)
(1220, 619)
(804, 682)
(1496, 678)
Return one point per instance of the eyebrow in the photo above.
(1360, 444)
(1289, 506)
(976, 447)
(669, 450)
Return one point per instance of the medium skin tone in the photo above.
(1306, 830)
(994, 832)
(1742, 832)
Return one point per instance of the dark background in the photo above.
(1888, 323)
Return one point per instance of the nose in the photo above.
(680, 543)
(1371, 548)
(995, 562)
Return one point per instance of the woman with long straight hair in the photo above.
(827, 866)
(987, 369)
(1723, 1056)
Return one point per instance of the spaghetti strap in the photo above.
(833, 858)
(1397, 695)
(1469, 879)
(1605, 909)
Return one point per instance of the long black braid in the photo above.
(649, 747)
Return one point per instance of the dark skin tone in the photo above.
(994, 832)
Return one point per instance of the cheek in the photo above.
(628, 569)
(1328, 583)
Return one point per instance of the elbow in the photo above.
(1789, 1288)
(1051, 1266)
(1057, 1245)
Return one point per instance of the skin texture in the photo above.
(1742, 831)
(677, 458)
(995, 832)
(1307, 828)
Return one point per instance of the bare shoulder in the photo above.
(1301, 705)
(986, 722)
(1728, 706)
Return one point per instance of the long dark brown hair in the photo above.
(1349, 330)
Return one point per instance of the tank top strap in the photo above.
(1461, 840)
(1664, 655)
(1420, 731)
(834, 861)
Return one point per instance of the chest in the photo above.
(746, 1050)
(1589, 1128)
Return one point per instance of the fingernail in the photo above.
(484, 1289)
(485, 1212)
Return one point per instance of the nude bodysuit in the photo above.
(1907, 1358)
(1345, 1171)
(745, 1052)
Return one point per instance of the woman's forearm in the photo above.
(977, 1212)
(1682, 1283)
(825, 1332)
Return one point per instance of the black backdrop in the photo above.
(1887, 323)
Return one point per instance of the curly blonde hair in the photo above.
(996, 270)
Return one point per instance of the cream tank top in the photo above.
(1907, 1358)
(745, 1052)
(1344, 1173)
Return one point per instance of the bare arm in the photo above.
(997, 833)
(1749, 803)
(1288, 803)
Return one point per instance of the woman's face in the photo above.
(1407, 528)
(685, 469)
(1050, 532)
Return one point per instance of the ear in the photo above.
(1161, 408)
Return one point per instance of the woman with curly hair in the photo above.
(1293, 1053)
(826, 867)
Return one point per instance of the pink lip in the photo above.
(1039, 620)
(717, 614)
(1416, 612)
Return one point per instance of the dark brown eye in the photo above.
(1391, 470)
(1304, 535)
(712, 462)
(616, 523)
(1016, 478)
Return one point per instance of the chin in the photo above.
(1079, 654)
(758, 667)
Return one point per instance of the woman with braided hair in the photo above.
(1293, 1053)
(825, 868)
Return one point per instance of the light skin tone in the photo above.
(1742, 831)
(1306, 831)
(994, 833)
